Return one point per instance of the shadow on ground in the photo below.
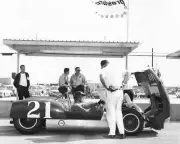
(51, 136)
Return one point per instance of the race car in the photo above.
(31, 115)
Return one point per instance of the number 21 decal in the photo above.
(36, 107)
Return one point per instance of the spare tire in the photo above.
(133, 121)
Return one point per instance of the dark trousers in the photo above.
(63, 89)
(23, 92)
(78, 88)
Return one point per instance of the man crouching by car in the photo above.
(22, 83)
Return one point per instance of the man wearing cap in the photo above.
(114, 99)
(78, 81)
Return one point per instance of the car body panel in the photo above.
(21, 108)
(154, 87)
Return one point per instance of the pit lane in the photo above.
(77, 134)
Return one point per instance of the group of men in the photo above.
(113, 99)
(77, 82)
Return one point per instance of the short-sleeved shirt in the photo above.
(77, 80)
(63, 79)
(111, 77)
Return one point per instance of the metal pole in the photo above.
(127, 33)
(17, 62)
(126, 62)
(152, 57)
(127, 27)
(17, 98)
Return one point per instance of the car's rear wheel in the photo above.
(27, 126)
(133, 121)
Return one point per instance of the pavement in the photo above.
(79, 135)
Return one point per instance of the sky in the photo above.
(155, 24)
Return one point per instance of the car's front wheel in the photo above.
(133, 121)
(27, 126)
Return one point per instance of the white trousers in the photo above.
(114, 111)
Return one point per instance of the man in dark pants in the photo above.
(63, 82)
(78, 81)
(22, 83)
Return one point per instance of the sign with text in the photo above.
(110, 9)
(110, 3)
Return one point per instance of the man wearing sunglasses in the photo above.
(77, 81)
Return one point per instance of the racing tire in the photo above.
(27, 126)
(133, 121)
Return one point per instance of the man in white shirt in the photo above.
(114, 99)
(22, 83)
(78, 81)
(63, 82)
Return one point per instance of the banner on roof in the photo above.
(110, 9)
(111, 3)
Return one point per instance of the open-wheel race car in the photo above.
(33, 114)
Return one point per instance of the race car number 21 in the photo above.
(36, 107)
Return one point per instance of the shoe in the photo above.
(122, 136)
(109, 136)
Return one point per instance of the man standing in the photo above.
(22, 83)
(78, 81)
(63, 82)
(113, 100)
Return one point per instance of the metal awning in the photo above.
(175, 55)
(71, 48)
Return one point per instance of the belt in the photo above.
(120, 88)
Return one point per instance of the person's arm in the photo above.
(77, 108)
(61, 81)
(103, 82)
(89, 105)
(125, 77)
(71, 81)
(84, 80)
(28, 79)
(15, 83)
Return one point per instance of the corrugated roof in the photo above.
(72, 41)
(70, 48)
(174, 55)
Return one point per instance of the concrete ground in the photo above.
(78, 135)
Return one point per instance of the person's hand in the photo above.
(101, 102)
(111, 89)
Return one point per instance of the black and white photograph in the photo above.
(89, 71)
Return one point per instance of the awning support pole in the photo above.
(17, 62)
(126, 62)
(18, 55)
